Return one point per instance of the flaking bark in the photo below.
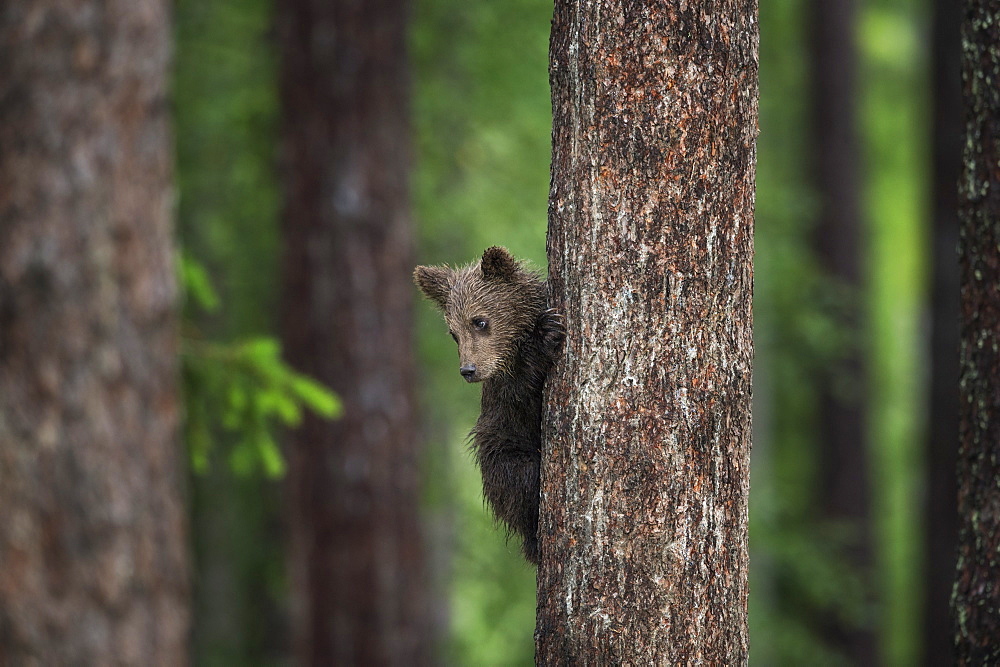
(976, 597)
(643, 528)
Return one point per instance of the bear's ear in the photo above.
(498, 264)
(434, 282)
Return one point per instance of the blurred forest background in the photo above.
(836, 330)
(843, 329)
(852, 504)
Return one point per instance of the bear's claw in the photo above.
(552, 328)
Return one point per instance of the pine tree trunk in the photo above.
(93, 540)
(645, 478)
(940, 498)
(977, 588)
(844, 494)
(357, 559)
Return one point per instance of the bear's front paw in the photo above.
(552, 329)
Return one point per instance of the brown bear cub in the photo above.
(507, 339)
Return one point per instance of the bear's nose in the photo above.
(468, 371)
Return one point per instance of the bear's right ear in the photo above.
(498, 264)
(434, 282)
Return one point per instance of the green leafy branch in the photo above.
(244, 388)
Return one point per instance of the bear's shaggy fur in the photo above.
(507, 339)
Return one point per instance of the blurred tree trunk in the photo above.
(940, 511)
(93, 540)
(977, 588)
(844, 496)
(645, 476)
(357, 559)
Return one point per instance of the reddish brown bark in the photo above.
(977, 588)
(92, 541)
(643, 527)
(357, 558)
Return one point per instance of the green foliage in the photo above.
(226, 117)
(244, 388)
(196, 283)
(483, 122)
(247, 389)
(795, 574)
(796, 571)
(225, 98)
(237, 393)
(895, 122)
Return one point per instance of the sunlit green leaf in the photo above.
(243, 456)
(263, 350)
(320, 399)
(196, 283)
(272, 461)
(248, 390)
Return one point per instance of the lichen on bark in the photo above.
(645, 475)
(976, 598)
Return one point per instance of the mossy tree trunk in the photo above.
(357, 566)
(645, 477)
(977, 589)
(93, 545)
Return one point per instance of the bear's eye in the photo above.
(478, 323)
(453, 336)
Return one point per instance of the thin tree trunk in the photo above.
(844, 494)
(977, 588)
(643, 527)
(940, 511)
(357, 559)
(93, 541)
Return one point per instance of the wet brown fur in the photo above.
(512, 355)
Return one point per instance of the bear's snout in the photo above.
(468, 371)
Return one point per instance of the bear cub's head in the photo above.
(490, 306)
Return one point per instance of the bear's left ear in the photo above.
(498, 264)
(435, 283)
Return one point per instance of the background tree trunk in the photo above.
(977, 588)
(92, 542)
(647, 437)
(844, 495)
(357, 562)
(940, 511)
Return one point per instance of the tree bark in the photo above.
(940, 510)
(976, 596)
(844, 495)
(357, 561)
(93, 539)
(643, 526)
